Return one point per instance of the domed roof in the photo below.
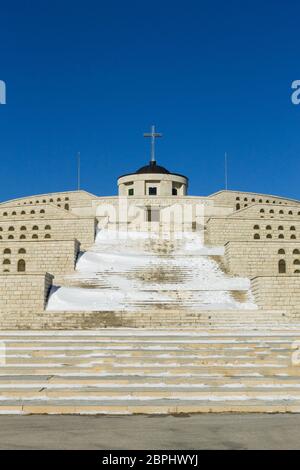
(152, 168)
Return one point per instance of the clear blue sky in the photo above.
(93, 76)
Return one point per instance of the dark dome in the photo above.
(152, 168)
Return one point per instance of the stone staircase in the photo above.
(154, 327)
(124, 371)
(143, 274)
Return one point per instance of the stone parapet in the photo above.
(23, 294)
(277, 292)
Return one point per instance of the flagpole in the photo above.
(226, 171)
(78, 171)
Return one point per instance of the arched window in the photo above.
(281, 266)
(23, 227)
(269, 235)
(292, 227)
(1, 229)
(245, 199)
(296, 251)
(32, 212)
(6, 261)
(297, 271)
(237, 198)
(260, 200)
(47, 235)
(5, 214)
(42, 211)
(293, 237)
(298, 213)
(22, 237)
(271, 211)
(35, 227)
(268, 227)
(256, 236)
(37, 202)
(11, 228)
(44, 200)
(281, 235)
(256, 227)
(66, 198)
(296, 261)
(47, 227)
(10, 237)
(262, 210)
(280, 227)
(290, 212)
(267, 201)
(66, 207)
(14, 213)
(35, 235)
(21, 266)
(58, 199)
(22, 251)
(7, 251)
(281, 251)
(23, 213)
(281, 212)
(237, 207)
(0, 237)
(253, 200)
(50, 200)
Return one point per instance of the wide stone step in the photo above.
(165, 406)
(213, 360)
(209, 381)
(150, 382)
(231, 369)
(152, 346)
(61, 353)
(89, 394)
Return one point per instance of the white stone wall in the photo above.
(57, 257)
(262, 258)
(277, 292)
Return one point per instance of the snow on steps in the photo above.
(123, 371)
(129, 271)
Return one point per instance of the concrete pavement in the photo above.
(203, 431)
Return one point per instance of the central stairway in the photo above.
(136, 271)
(126, 371)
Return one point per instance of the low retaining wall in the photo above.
(277, 292)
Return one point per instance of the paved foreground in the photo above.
(205, 431)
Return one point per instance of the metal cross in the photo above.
(153, 136)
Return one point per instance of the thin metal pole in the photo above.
(78, 171)
(226, 171)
